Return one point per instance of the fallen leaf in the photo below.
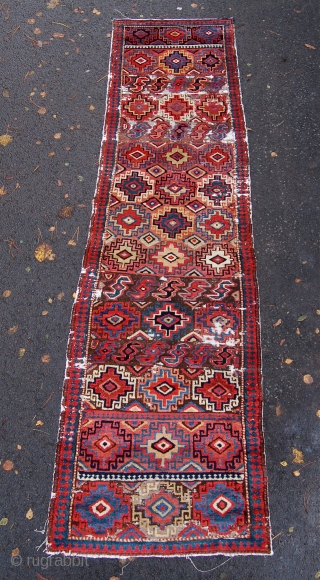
(91, 108)
(291, 529)
(19, 447)
(282, 341)
(6, 293)
(31, 21)
(114, 578)
(3, 191)
(43, 252)
(283, 463)
(194, 5)
(5, 140)
(308, 379)
(57, 136)
(15, 552)
(58, 35)
(318, 413)
(297, 456)
(66, 211)
(318, 312)
(50, 300)
(317, 330)
(51, 154)
(29, 514)
(12, 330)
(3, 521)
(60, 296)
(5, 94)
(298, 331)
(22, 351)
(42, 111)
(288, 361)
(39, 423)
(71, 243)
(44, 312)
(37, 31)
(95, 11)
(317, 575)
(46, 358)
(53, 4)
(274, 154)
(74, 295)
(7, 465)
(296, 473)
(298, 280)
(301, 318)
(310, 46)
(278, 410)
(277, 323)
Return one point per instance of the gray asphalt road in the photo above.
(42, 173)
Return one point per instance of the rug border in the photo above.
(87, 275)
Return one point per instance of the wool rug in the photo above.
(160, 449)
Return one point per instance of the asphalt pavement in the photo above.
(54, 60)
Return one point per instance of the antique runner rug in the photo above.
(160, 450)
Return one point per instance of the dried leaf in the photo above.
(282, 341)
(31, 21)
(301, 318)
(95, 11)
(39, 423)
(277, 323)
(29, 514)
(58, 35)
(44, 312)
(283, 463)
(291, 529)
(318, 312)
(297, 456)
(288, 361)
(318, 413)
(15, 552)
(194, 5)
(310, 46)
(57, 136)
(274, 154)
(298, 280)
(43, 252)
(53, 4)
(3, 521)
(3, 191)
(37, 31)
(19, 447)
(91, 108)
(12, 330)
(71, 243)
(6, 293)
(60, 296)
(308, 379)
(298, 331)
(22, 351)
(5, 140)
(46, 358)
(5, 94)
(42, 111)
(317, 575)
(66, 211)
(317, 330)
(296, 473)
(7, 465)
(278, 410)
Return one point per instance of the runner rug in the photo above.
(160, 448)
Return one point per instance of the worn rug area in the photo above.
(160, 449)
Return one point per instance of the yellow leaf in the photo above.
(318, 413)
(8, 465)
(43, 252)
(57, 136)
(6, 293)
(91, 108)
(3, 191)
(15, 552)
(60, 296)
(71, 243)
(13, 329)
(283, 463)
(278, 322)
(50, 300)
(297, 456)
(66, 211)
(29, 514)
(317, 575)
(39, 423)
(296, 473)
(291, 529)
(46, 358)
(317, 330)
(22, 351)
(95, 11)
(288, 361)
(74, 295)
(5, 140)
(3, 521)
(308, 379)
